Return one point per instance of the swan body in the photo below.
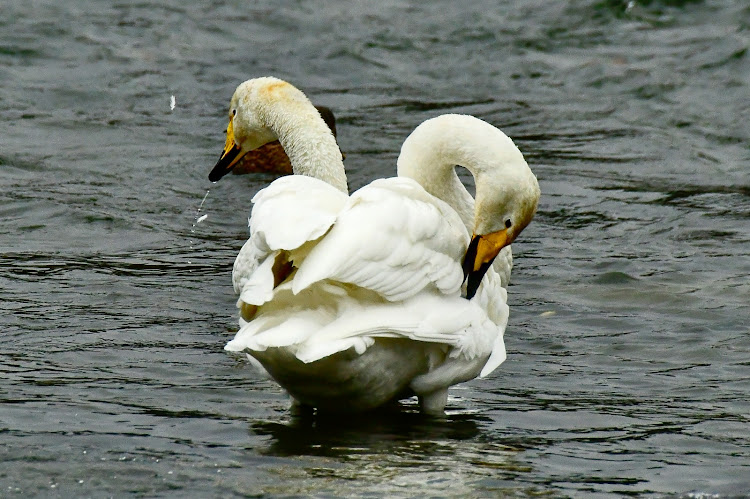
(351, 302)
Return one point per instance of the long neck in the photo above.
(307, 141)
(430, 155)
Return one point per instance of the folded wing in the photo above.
(392, 238)
(286, 215)
(385, 262)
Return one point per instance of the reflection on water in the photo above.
(394, 452)
(377, 433)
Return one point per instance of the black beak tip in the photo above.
(473, 282)
(216, 174)
(474, 279)
(224, 165)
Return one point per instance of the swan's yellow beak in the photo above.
(229, 158)
(479, 256)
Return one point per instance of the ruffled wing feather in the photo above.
(393, 238)
(384, 263)
(288, 213)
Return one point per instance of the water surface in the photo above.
(629, 352)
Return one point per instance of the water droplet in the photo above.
(198, 219)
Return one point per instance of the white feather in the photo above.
(387, 266)
(294, 210)
(390, 233)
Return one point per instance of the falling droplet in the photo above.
(172, 103)
(198, 219)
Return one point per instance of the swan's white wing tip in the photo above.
(497, 357)
(234, 346)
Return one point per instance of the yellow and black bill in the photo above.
(479, 257)
(229, 157)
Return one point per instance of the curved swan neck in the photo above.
(433, 150)
(426, 156)
(305, 137)
(311, 147)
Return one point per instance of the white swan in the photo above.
(351, 302)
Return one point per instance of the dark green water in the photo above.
(629, 338)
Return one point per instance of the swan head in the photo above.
(507, 191)
(251, 111)
(506, 201)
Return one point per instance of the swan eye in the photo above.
(234, 112)
(508, 223)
